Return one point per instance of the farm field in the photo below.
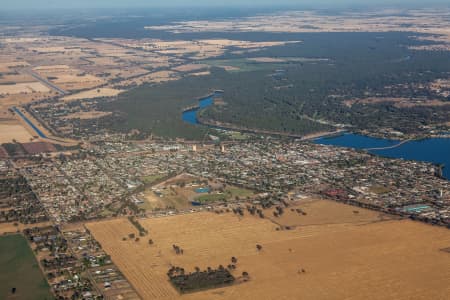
(15, 78)
(155, 77)
(392, 259)
(34, 121)
(12, 130)
(69, 78)
(190, 67)
(8, 66)
(23, 88)
(20, 270)
(7, 101)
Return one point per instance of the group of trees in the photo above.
(298, 99)
(198, 280)
(139, 227)
(18, 202)
(178, 250)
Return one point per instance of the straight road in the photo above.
(46, 82)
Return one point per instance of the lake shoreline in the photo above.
(416, 149)
(429, 150)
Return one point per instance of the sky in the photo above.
(77, 4)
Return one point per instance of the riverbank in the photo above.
(193, 116)
(402, 137)
(432, 150)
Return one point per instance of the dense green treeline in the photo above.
(301, 97)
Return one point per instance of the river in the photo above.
(433, 150)
(190, 115)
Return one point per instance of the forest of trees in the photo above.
(296, 97)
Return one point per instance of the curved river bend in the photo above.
(190, 115)
(433, 150)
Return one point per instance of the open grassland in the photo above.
(13, 227)
(180, 191)
(68, 78)
(7, 101)
(229, 193)
(347, 255)
(87, 115)
(12, 130)
(20, 269)
(12, 127)
(34, 121)
(23, 88)
(421, 21)
(94, 93)
(190, 67)
(9, 66)
(151, 78)
(172, 198)
(16, 78)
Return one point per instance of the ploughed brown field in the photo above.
(349, 253)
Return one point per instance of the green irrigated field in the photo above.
(20, 270)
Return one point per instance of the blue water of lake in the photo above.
(433, 150)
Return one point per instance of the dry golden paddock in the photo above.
(346, 252)
(12, 130)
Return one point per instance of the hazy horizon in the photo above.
(131, 4)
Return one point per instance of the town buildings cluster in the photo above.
(102, 180)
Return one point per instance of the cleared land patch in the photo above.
(87, 115)
(190, 67)
(397, 102)
(20, 270)
(13, 131)
(355, 258)
(69, 78)
(155, 77)
(94, 93)
(23, 88)
(183, 191)
(18, 227)
(8, 66)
